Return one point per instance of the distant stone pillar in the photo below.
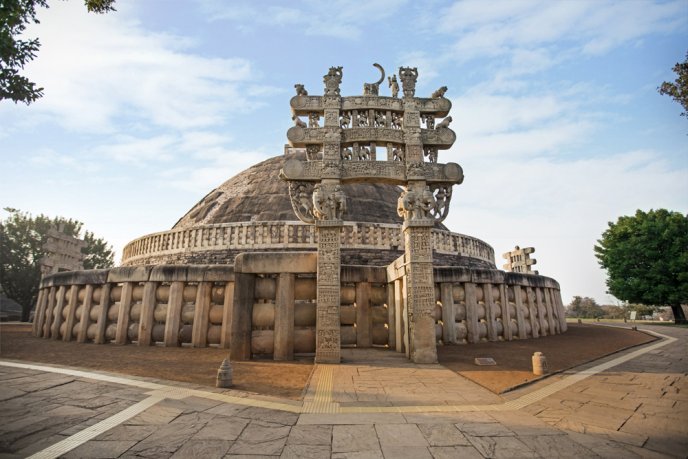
(363, 322)
(242, 311)
(123, 315)
(71, 312)
(49, 312)
(227, 309)
(284, 317)
(199, 333)
(101, 322)
(174, 311)
(57, 319)
(85, 320)
(328, 339)
(448, 313)
(39, 315)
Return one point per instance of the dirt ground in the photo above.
(580, 344)
(191, 365)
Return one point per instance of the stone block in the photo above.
(169, 273)
(129, 274)
(218, 273)
(276, 262)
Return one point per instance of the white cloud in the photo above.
(562, 207)
(335, 18)
(100, 69)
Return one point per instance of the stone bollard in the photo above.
(540, 366)
(224, 374)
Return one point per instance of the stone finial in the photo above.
(373, 89)
(298, 122)
(445, 123)
(394, 85)
(332, 80)
(408, 77)
(300, 90)
(439, 94)
(224, 374)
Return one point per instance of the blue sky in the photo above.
(560, 127)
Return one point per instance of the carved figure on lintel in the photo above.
(380, 120)
(445, 123)
(406, 204)
(431, 154)
(298, 122)
(398, 154)
(301, 202)
(373, 89)
(332, 81)
(345, 120)
(347, 154)
(427, 203)
(340, 201)
(394, 85)
(396, 120)
(442, 195)
(439, 94)
(328, 205)
(313, 120)
(312, 152)
(300, 90)
(364, 154)
(362, 119)
(408, 77)
(429, 121)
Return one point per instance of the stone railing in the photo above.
(266, 305)
(280, 235)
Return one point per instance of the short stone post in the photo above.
(224, 375)
(540, 366)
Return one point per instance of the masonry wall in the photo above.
(265, 305)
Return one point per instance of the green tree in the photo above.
(584, 307)
(646, 258)
(21, 249)
(15, 53)
(678, 90)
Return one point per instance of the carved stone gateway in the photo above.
(346, 148)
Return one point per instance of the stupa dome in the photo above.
(252, 212)
(258, 195)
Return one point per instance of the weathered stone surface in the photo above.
(261, 437)
(443, 435)
(222, 428)
(354, 438)
(206, 449)
(98, 449)
(310, 435)
(502, 447)
(306, 452)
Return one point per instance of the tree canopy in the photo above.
(584, 307)
(16, 52)
(646, 258)
(678, 90)
(21, 249)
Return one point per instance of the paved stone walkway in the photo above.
(633, 404)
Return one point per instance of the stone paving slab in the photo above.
(635, 409)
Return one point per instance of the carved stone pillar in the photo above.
(420, 290)
(327, 344)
